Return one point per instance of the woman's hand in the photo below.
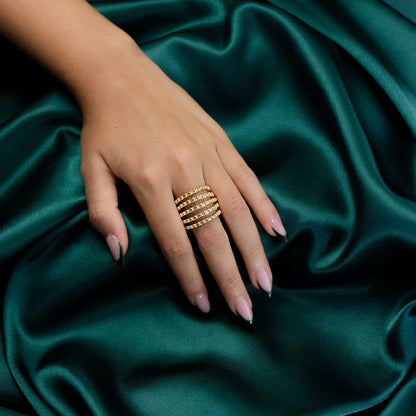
(141, 127)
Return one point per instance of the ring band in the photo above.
(204, 201)
(204, 221)
(201, 214)
(194, 199)
(201, 205)
(194, 191)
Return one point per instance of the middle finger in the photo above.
(215, 246)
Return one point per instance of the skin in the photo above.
(136, 119)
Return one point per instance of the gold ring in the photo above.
(204, 202)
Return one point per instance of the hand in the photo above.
(139, 120)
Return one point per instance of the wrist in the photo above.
(102, 69)
(121, 76)
(69, 37)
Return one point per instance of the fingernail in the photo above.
(264, 279)
(202, 302)
(278, 227)
(115, 249)
(243, 310)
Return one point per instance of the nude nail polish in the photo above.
(264, 279)
(115, 249)
(202, 302)
(278, 228)
(243, 310)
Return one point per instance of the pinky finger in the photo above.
(252, 191)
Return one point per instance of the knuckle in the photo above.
(236, 206)
(175, 248)
(255, 252)
(183, 160)
(191, 285)
(217, 131)
(213, 238)
(97, 216)
(264, 201)
(229, 283)
(244, 174)
(182, 156)
(148, 176)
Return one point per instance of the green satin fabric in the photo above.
(320, 99)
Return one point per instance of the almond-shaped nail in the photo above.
(115, 249)
(264, 279)
(243, 310)
(202, 302)
(278, 227)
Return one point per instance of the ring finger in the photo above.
(242, 227)
(215, 246)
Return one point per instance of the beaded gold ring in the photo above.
(204, 202)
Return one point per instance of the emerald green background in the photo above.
(320, 99)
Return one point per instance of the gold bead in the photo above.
(198, 206)
(204, 221)
(201, 214)
(195, 190)
(194, 199)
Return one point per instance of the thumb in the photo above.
(102, 201)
